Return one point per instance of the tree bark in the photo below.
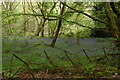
(114, 28)
(93, 18)
(78, 38)
(42, 28)
(25, 19)
(116, 11)
(59, 26)
(112, 22)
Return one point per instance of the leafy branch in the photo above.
(93, 18)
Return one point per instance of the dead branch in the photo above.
(27, 48)
(70, 59)
(11, 61)
(102, 57)
(87, 55)
(105, 52)
(21, 60)
(49, 59)
(16, 72)
(25, 64)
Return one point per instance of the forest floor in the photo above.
(33, 75)
(106, 67)
(44, 75)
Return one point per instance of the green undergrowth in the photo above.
(38, 61)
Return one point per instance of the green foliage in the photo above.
(88, 69)
(99, 12)
(9, 17)
(13, 25)
(85, 33)
(13, 18)
(52, 24)
(95, 69)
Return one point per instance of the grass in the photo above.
(36, 55)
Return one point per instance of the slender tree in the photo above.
(59, 26)
(25, 18)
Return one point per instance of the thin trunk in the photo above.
(39, 28)
(25, 19)
(78, 38)
(42, 28)
(39, 23)
(52, 32)
(9, 9)
(48, 31)
(59, 26)
(57, 32)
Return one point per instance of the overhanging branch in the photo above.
(29, 14)
(85, 26)
(78, 11)
(78, 24)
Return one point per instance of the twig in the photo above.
(16, 72)
(70, 59)
(27, 48)
(87, 55)
(102, 57)
(22, 60)
(11, 66)
(25, 64)
(17, 67)
(49, 59)
(39, 45)
(105, 52)
(114, 54)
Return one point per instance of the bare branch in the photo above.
(52, 8)
(21, 60)
(70, 59)
(49, 59)
(24, 63)
(87, 55)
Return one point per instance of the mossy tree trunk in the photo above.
(114, 28)
(112, 23)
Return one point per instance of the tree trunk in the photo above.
(114, 29)
(116, 11)
(112, 23)
(39, 20)
(78, 38)
(52, 31)
(38, 29)
(59, 26)
(25, 19)
(42, 28)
